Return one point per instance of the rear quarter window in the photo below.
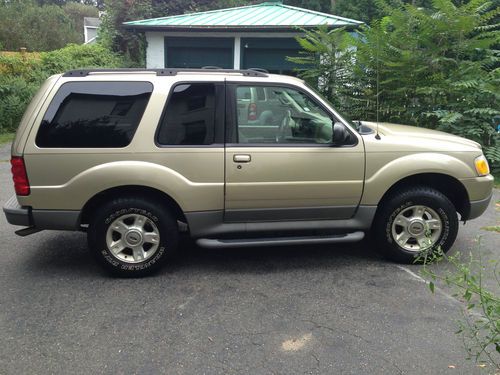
(189, 117)
(94, 114)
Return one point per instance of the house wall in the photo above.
(155, 51)
(90, 32)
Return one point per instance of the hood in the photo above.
(413, 133)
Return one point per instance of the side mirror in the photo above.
(340, 134)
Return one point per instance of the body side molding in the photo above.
(211, 223)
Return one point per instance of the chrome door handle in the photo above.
(242, 158)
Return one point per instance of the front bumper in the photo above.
(478, 207)
(40, 219)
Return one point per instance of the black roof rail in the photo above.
(262, 70)
(164, 72)
(86, 72)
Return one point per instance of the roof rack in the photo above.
(164, 72)
(262, 70)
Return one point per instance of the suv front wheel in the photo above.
(414, 221)
(132, 236)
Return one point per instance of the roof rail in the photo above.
(262, 70)
(164, 72)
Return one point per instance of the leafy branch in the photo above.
(480, 323)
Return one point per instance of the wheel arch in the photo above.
(449, 186)
(130, 190)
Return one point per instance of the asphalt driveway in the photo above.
(309, 309)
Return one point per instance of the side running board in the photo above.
(279, 241)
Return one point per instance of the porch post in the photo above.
(237, 52)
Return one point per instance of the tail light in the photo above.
(252, 112)
(21, 183)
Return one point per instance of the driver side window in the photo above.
(280, 115)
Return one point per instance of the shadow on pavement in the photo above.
(66, 253)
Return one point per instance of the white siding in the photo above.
(155, 52)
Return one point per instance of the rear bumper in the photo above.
(16, 214)
(40, 219)
(478, 207)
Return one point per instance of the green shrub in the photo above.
(25, 65)
(75, 56)
(465, 277)
(15, 94)
(22, 74)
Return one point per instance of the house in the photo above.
(90, 26)
(254, 36)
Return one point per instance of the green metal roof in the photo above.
(268, 15)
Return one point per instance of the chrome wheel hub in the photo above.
(133, 238)
(417, 228)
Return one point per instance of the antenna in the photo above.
(377, 135)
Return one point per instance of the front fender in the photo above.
(382, 172)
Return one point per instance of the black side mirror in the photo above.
(340, 134)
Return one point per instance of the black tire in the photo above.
(403, 201)
(154, 215)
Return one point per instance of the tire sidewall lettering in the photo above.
(126, 211)
(388, 227)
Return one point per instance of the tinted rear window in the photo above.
(94, 114)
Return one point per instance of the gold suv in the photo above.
(234, 159)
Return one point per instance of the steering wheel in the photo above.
(285, 129)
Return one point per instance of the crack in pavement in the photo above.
(337, 330)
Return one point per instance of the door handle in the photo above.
(242, 158)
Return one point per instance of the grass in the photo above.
(497, 180)
(494, 228)
(6, 138)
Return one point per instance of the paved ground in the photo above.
(314, 310)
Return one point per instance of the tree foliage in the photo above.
(436, 67)
(362, 10)
(330, 65)
(76, 12)
(22, 74)
(25, 23)
(112, 35)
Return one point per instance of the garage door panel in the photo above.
(189, 52)
(269, 53)
(181, 57)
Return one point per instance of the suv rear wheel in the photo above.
(132, 236)
(414, 221)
